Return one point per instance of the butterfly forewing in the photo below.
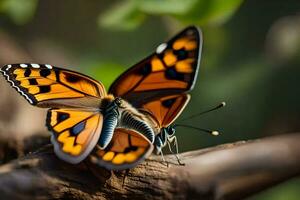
(48, 86)
(172, 69)
(75, 132)
(126, 149)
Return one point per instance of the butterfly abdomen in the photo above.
(111, 116)
(109, 124)
(130, 122)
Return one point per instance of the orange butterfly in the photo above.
(124, 125)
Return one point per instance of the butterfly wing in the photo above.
(48, 86)
(158, 83)
(74, 132)
(172, 69)
(126, 150)
(166, 109)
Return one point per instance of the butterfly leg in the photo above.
(163, 159)
(174, 140)
(159, 144)
(170, 149)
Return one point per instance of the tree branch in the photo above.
(230, 171)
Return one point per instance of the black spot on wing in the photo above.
(172, 74)
(62, 116)
(130, 149)
(181, 54)
(160, 56)
(78, 128)
(27, 72)
(72, 78)
(33, 81)
(45, 72)
(44, 89)
(145, 70)
(168, 103)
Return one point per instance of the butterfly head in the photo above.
(119, 102)
(171, 130)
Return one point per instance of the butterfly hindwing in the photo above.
(126, 149)
(75, 132)
(172, 69)
(48, 86)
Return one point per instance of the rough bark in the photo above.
(230, 171)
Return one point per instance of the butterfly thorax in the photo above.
(106, 101)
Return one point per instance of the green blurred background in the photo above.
(251, 56)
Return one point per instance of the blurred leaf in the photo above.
(131, 13)
(123, 16)
(19, 11)
(211, 12)
(170, 7)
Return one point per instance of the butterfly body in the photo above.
(118, 113)
(118, 129)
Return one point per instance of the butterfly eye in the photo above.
(119, 101)
(172, 131)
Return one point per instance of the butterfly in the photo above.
(121, 127)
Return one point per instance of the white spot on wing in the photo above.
(161, 48)
(23, 65)
(8, 67)
(35, 65)
(48, 66)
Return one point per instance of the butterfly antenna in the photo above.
(221, 105)
(214, 133)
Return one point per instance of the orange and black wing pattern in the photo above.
(172, 69)
(126, 150)
(74, 132)
(48, 86)
(166, 109)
